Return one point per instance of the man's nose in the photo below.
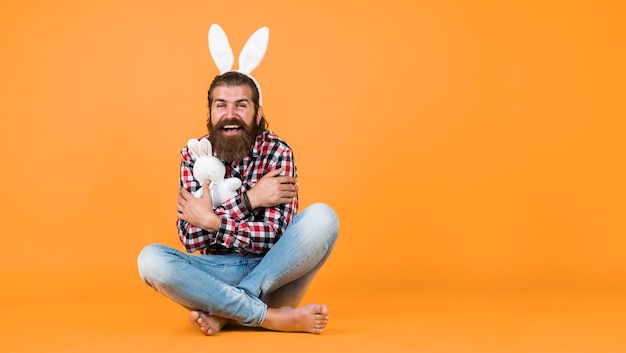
(230, 111)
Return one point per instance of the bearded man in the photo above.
(256, 255)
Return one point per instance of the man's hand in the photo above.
(273, 190)
(197, 211)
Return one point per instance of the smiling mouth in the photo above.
(231, 129)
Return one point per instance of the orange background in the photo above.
(466, 145)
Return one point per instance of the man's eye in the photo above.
(242, 105)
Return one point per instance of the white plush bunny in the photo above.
(249, 58)
(207, 166)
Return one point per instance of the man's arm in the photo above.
(199, 211)
(192, 237)
(257, 230)
(253, 231)
(273, 189)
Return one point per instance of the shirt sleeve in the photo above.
(242, 230)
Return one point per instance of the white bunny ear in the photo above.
(254, 50)
(194, 151)
(251, 54)
(205, 147)
(220, 49)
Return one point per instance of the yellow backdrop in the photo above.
(464, 144)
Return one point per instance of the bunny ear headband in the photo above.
(250, 57)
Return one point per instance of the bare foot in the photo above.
(209, 325)
(311, 318)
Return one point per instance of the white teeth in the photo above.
(231, 127)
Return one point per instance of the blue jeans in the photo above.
(242, 286)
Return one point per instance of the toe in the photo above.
(323, 310)
(193, 316)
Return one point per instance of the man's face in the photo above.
(233, 122)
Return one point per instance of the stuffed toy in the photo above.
(207, 166)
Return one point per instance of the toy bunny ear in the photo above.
(192, 144)
(254, 50)
(205, 147)
(220, 49)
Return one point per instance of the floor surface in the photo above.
(133, 318)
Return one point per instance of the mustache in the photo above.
(232, 122)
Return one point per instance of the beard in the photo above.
(232, 148)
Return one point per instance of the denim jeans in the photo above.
(242, 286)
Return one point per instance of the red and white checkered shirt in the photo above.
(242, 231)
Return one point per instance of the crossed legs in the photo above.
(267, 297)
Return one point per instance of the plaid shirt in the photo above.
(242, 231)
